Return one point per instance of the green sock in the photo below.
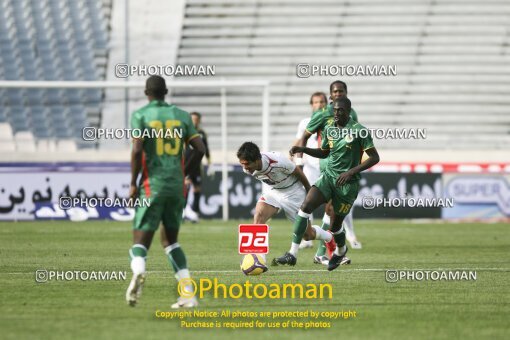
(176, 257)
(321, 250)
(137, 250)
(299, 229)
(340, 239)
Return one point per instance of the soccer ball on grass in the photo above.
(253, 264)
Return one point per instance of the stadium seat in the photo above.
(6, 134)
(51, 40)
(24, 141)
(459, 58)
(66, 145)
(46, 145)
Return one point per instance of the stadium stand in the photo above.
(452, 58)
(51, 40)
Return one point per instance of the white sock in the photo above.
(340, 251)
(184, 274)
(294, 248)
(326, 219)
(321, 234)
(138, 265)
(349, 227)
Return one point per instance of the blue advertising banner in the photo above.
(477, 196)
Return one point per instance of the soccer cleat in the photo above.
(287, 258)
(134, 291)
(331, 246)
(345, 261)
(321, 260)
(355, 244)
(190, 215)
(337, 260)
(183, 302)
(305, 244)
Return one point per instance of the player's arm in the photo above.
(136, 165)
(301, 142)
(197, 154)
(302, 178)
(312, 127)
(373, 159)
(317, 153)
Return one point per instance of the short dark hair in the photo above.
(249, 151)
(337, 82)
(343, 100)
(155, 86)
(194, 113)
(319, 94)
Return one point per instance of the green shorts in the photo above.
(342, 197)
(166, 209)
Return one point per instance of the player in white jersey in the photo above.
(311, 167)
(286, 188)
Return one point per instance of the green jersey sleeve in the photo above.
(190, 132)
(354, 115)
(316, 122)
(137, 120)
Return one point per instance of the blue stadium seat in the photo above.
(51, 40)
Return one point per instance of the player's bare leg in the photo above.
(177, 260)
(313, 200)
(138, 252)
(338, 257)
(263, 212)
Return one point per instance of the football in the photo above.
(253, 264)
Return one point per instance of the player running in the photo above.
(311, 168)
(194, 176)
(340, 179)
(285, 188)
(318, 125)
(162, 181)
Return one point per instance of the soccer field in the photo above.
(424, 309)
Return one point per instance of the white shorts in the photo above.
(312, 174)
(289, 199)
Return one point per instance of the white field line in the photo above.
(292, 270)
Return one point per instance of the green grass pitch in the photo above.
(405, 310)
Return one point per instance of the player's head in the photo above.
(341, 110)
(318, 100)
(337, 89)
(155, 88)
(249, 157)
(196, 117)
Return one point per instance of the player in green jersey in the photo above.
(320, 120)
(340, 179)
(319, 124)
(159, 160)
